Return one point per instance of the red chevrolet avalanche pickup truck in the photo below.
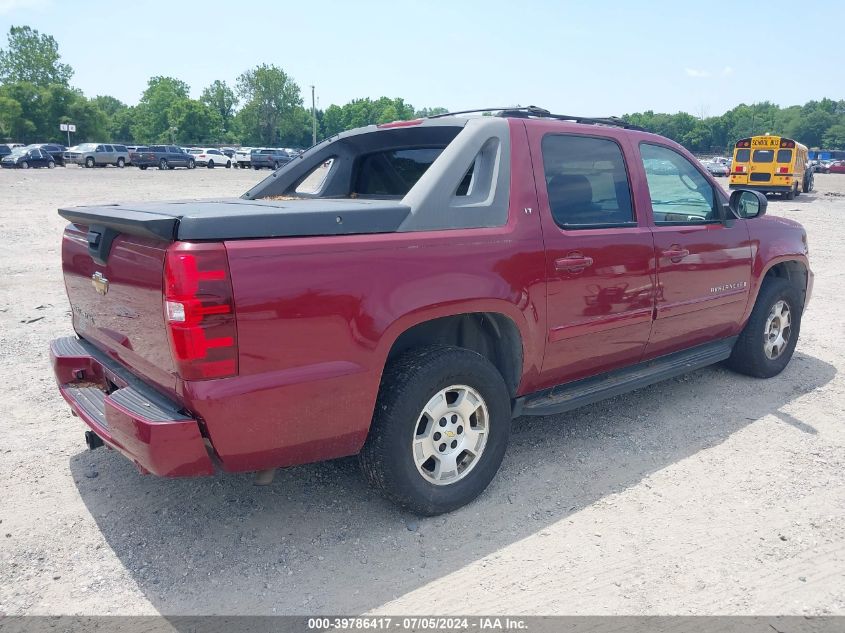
(403, 291)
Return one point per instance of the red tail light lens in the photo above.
(200, 311)
(783, 170)
(739, 169)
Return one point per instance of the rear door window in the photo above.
(763, 155)
(586, 182)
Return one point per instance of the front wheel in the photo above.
(162, 164)
(24, 165)
(51, 165)
(807, 187)
(228, 164)
(768, 340)
(439, 431)
(142, 167)
(89, 162)
(210, 164)
(121, 163)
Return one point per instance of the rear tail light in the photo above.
(200, 311)
(739, 169)
(783, 170)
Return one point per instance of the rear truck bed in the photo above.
(251, 333)
(147, 394)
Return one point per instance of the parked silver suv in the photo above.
(97, 154)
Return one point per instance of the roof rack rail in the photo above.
(542, 113)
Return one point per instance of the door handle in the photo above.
(675, 253)
(573, 263)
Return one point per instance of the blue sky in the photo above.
(585, 58)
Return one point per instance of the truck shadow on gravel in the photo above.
(319, 541)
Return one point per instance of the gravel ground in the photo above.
(711, 493)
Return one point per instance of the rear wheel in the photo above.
(790, 195)
(142, 167)
(439, 431)
(768, 340)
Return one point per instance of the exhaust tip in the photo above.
(92, 440)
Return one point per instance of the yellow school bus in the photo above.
(771, 164)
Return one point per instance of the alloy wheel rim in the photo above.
(778, 330)
(450, 435)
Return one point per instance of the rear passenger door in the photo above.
(599, 254)
(703, 264)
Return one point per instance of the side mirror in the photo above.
(748, 204)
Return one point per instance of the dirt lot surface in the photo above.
(710, 493)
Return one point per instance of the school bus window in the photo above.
(763, 155)
(784, 155)
(742, 155)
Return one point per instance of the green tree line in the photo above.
(265, 107)
(815, 124)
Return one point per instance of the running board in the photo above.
(589, 390)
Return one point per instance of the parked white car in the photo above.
(242, 158)
(210, 157)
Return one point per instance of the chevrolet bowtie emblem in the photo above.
(450, 434)
(100, 283)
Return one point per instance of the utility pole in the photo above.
(313, 118)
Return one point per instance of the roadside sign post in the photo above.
(67, 127)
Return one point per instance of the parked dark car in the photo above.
(56, 151)
(25, 157)
(161, 156)
(269, 158)
(5, 150)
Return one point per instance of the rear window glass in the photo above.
(784, 155)
(742, 155)
(763, 155)
(394, 172)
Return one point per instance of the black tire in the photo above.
(142, 167)
(120, 163)
(407, 385)
(24, 164)
(162, 164)
(89, 162)
(807, 186)
(276, 165)
(256, 167)
(790, 195)
(749, 356)
(228, 164)
(210, 164)
(51, 165)
(191, 163)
